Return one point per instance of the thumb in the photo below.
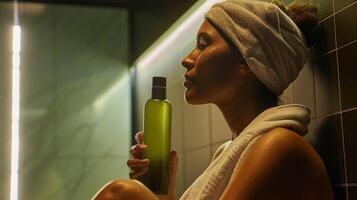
(173, 171)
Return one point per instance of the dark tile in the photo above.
(330, 147)
(348, 70)
(349, 131)
(346, 26)
(352, 192)
(339, 192)
(325, 38)
(342, 3)
(324, 8)
(326, 85)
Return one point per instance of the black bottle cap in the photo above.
(158, 90)
(158, 81)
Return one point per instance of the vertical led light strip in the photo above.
(15, 118)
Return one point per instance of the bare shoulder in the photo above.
(282, 149)
(291, 153)
(280, 165)
(284, 141)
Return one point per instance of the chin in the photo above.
(193, 98)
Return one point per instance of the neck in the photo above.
(239, 112)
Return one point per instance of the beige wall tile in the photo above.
(196, 126)
(304, 91)
(195, 163)
(219, 127)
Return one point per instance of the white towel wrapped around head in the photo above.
(270, 42)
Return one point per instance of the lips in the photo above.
(189, 78)
(189, 81)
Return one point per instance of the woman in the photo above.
(247, 53)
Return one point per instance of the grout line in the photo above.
(210, 129)
(335, 113)
(334, 12)
(195, 148)
(327, 115)
(335, 49)
(293, 91)
(346, 44)
(340, 185)
(315, 94)
(339, 95)
(325, 54)
(313, 63)
(350, 109)
(326, 18)
(344, 8)
(345, 185)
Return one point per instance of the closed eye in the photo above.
(202, 41)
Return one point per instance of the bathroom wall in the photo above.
(75, 121)
(5, 98)
(326, 85)
(335, 93)
(329, 86)
(160, 14)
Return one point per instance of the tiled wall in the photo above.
(335, 94)
(75, 100)
(327, 86)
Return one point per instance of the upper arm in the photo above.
(271, 169)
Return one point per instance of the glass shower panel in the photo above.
(75, 121)
(6, 23)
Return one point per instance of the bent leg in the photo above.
(124, 189)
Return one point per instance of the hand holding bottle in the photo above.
(139, 166)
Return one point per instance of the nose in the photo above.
(188, 62)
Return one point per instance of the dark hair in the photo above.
(305, 17)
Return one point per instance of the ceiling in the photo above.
(109, 3)
(155, 7)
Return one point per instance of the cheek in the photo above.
(217, 68)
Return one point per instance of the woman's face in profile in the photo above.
(212, 67)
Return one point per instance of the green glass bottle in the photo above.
(157, 137)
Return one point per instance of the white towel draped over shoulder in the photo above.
(213, 181)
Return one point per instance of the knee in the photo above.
(122, 186)
(117, 189)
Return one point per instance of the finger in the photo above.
(137, 154)
(139, 137)
(136, 174)
(173, 171)
(134, 161)
(137, 150)
(138, 166)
